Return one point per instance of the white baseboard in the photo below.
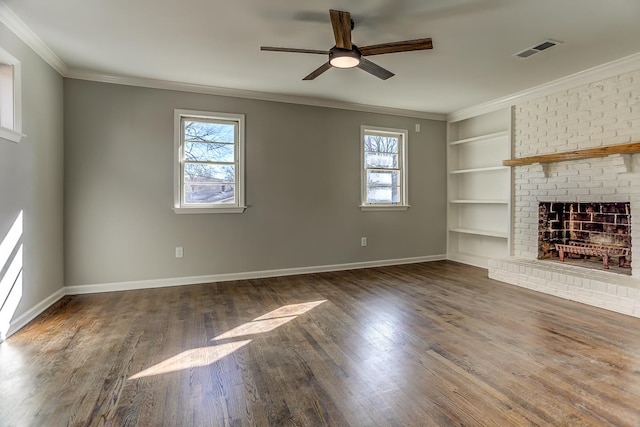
(192, 280)
(474, 260)
(33, 312)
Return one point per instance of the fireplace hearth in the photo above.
(591, 235)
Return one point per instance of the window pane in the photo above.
(383, 194)
(381, 160)
(380, 144)
(209, 193)
(6, 96)
(388, 178)
(195, 172)
(209, 183)
(195, 131)
(205, 152)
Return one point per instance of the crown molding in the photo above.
(247, 94)
(590, 75)
(24, 33)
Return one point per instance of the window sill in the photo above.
(220, 210)
(384, 207)
(10, 135)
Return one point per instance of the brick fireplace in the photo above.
(599, 114)
(590, 235)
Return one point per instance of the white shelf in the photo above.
(481, 138)
(497, 234)
(474, 170)
(479, 188)
(480, 202)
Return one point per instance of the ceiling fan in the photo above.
(345, 54)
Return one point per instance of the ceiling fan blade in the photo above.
(341, 23)
(403, 46)
(293, 50)
(374, 69)
(321, 69)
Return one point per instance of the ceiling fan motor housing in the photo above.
(344, 58)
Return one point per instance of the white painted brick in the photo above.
(607, 298)
(598, 286)
(627, 304)
(592, 184)
(569, 185)
(607, 176)
(580, 192)
(547, 186)
(568, 172)
(602, 113)
(581, 165)
(622, 291)
(618, 308)
(538, 180)
(580, 178)
(605, 190)
(529, 187)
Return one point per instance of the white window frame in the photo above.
(12, 97)
(403, 144)
(178, 176)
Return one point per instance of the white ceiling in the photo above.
(216, 43)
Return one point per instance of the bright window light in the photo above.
(10, 98)
(11, 263)
(384, 167)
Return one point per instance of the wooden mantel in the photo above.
(588, 153)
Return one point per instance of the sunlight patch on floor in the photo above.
(194, 358)
(270, 321)
(204, 356)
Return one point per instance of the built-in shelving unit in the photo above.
(479, 188)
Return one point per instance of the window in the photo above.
(209, 167)
(384, 168)
(10, 107)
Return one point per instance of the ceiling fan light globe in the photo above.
(341, 58)
(344, 62)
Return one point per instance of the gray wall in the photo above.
(302, 189)
(31, 176)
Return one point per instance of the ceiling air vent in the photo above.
(529, 52)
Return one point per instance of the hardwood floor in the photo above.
(416, 345)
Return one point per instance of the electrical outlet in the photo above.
(179, 251)
(363, 241)
(417, 127)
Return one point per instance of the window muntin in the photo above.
(384, 167)
(210, 162)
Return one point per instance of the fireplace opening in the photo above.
(591, 235)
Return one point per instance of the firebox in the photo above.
(592, 235)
